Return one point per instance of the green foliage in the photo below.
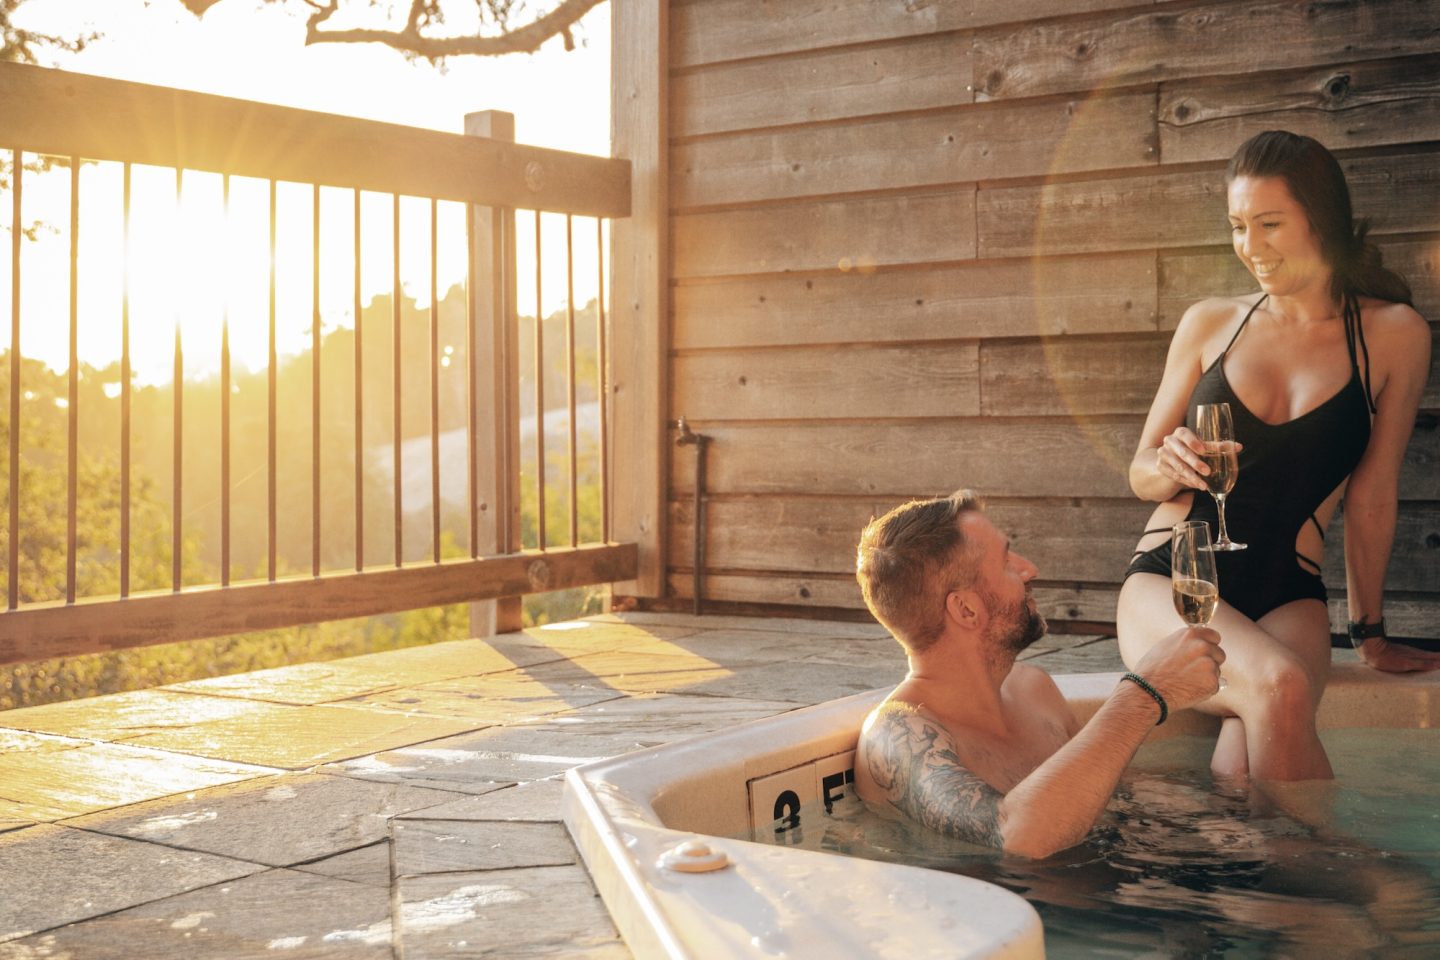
(45, 425)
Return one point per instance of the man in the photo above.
(972, 744)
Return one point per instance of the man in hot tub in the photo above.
(972, 744)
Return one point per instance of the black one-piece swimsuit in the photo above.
(1286, 472)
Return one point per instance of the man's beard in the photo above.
(1015, 626)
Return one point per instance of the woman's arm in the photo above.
(1167, 460)
(1400, 354)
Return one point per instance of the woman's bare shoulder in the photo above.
(1211, 318)
(1399, 321)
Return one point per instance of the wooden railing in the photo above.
(81, 119)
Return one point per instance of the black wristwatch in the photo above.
(1362, 631)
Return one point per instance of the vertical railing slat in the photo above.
(125, 388)
(225, 413)
(539, 394)
(471, 383)
(272, 412)
(73, 439)
(570, 374)
(604, 376)
(395, 376)
(177, 428)
(359, 407)
(17, 187)
(434, 388)
(315, 379)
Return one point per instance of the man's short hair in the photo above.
(910, 559)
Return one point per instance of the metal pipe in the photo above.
(687, 437)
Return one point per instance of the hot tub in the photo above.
(635, 818)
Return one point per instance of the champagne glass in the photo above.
(1217, 433)
(1193, 584)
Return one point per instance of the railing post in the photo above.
(640, 290)
(495, 400)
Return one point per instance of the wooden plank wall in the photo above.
(922, 246)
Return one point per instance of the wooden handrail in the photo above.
(42, 631)
(197, 131)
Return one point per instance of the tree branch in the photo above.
(526, 39)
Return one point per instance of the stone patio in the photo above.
(403, 804)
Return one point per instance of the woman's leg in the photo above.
(1275, 670)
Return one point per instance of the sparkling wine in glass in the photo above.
(1217, 433)
(1194, 586)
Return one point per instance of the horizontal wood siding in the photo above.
(923, 246)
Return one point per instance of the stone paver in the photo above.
(650, 719)
(278, 821)
(485, 760)
(447, 846)
(485, 701)
(367, 865)
(278, 913)
(49, 778)
(56, 875)
(494, 914)
(405, 803)
(538, 801)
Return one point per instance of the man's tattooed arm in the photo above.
(913, 760)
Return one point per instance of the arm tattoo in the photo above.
(914, 761)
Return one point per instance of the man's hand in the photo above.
(1184, 667)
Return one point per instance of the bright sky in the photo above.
(254, 50)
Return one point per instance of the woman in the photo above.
(1323, 370)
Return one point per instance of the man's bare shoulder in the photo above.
(907, 765)
(1041, 695)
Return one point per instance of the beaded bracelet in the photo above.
(1144, 684)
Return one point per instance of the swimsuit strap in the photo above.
(1355, 330)
(1318, 529)
(1304, 559)
(1240, 329)
(1146, 533)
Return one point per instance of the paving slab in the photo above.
(539, 801)
(327, 682)
(277, 913)
(734, 648)
(55, 875)
(447, 846)
(574, 638)
(44, 778)
(632, 672)
(482, 761)
(278, 821)
(123, 716)
(799, 682)
(537, 912)
(369, 865)
(826, 628)
(650, 719)
(489, 700)
(296, 737)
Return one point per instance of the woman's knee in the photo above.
(1285, 686)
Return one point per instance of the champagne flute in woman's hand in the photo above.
(1193, 584)
(1216, 432)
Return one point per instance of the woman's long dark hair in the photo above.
(1318, 184)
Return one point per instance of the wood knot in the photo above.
(1337, 87)
(538, 573)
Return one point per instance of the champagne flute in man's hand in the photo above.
(1217, 433)
(1193, 584)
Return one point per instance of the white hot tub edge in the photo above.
(627, 813)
